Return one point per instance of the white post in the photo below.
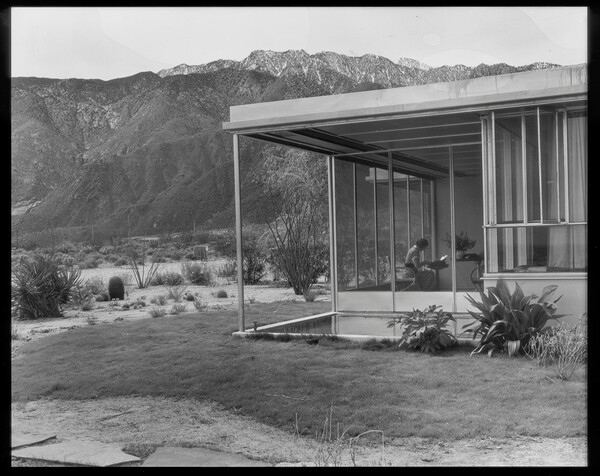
(238, 228)
(332, 236)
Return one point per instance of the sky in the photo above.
(113, 42)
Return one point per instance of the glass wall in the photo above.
(363, 228)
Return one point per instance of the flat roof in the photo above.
(488, 90)
(416, 124)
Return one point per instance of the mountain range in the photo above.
(146, 153)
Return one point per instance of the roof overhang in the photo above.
(415, 124)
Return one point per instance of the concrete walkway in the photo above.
(95, 453)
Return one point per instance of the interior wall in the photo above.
(468, 209)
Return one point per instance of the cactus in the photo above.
(116, 289)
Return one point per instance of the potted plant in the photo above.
(463, 243)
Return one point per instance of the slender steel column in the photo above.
(354, 205)
(238, 228)
(392, 230)
(452, 227)
(408, 230)
(332, 234)
(375, 225)
(539, 143)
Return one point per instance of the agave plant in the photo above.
(426, 330)
(506, 320)
(41, 286)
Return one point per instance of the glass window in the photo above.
(533, 169)
(509, 170)
(537, 249)
(577, 150)
(551, 186)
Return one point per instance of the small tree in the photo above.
(301, 252)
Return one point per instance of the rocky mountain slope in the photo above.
(146, 153)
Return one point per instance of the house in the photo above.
(502, 159)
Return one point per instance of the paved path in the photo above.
(95, 453)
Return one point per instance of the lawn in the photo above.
(294, 385)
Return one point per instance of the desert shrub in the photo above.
(228, 270)
(95, 285)
(506, 320)
(111, 258)
(161, 300)
(87, 306)
(142, 275)
(426, 330)
(253, 252)
(80, 294)
(121, 261)
(178, 308)
(175, 292)
(158, 258)
(560, 346)
(199, 305)
(197, 273)
(169, 278)
(157, 312)
(40, 286)
(89, 263)
(221, 293)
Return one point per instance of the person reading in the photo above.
(413, 257)
(424, 279)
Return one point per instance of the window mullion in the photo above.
(566, 165)
(524, 165)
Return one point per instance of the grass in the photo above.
(293, 384)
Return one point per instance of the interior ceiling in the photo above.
(419, 145)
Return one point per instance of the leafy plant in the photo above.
(40, 286)
(506, 320)
(463, 242)
(426, 330)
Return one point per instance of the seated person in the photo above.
(424, 279)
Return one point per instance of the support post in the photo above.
(238, 229)
(332, 235)
(392, 229)
(452, 227)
